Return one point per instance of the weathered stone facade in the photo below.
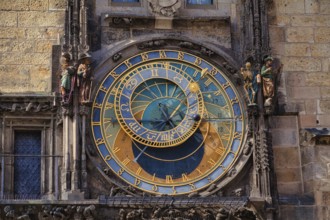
(294, 32)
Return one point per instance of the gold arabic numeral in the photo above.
(128, 64)
(220, 150)
(100, 141)
(108, 157)
(120, 171)
(180, 55)
(139, 170)
(126, 161)
(211, 161)
(208, 82)
(134, 126)
(169, 179)
(162, 54)
(154, 72)
(137, 182)
(192, 186)
(116, 150)
(185, 177)
(198, 61)
(124, 107)
(154, 188)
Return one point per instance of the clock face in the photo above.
(168, 122)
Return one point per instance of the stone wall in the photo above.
(299, 33)
(28, 29)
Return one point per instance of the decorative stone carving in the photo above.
(167, 8)
(116, 57)
(206, 51)
(151, 44)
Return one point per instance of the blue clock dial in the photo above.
(168, 122)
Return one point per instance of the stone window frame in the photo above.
(44, 124)
(125, 4)
(214, 5)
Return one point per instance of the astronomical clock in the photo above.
(168, 122)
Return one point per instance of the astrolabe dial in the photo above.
(168, 122)
(158, 104)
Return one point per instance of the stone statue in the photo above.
(250, 79)
(267, 80)
(66, 78)
(84, 73)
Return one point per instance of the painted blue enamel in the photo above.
(228, 160)
(100, 97)
(171, 161)
(201, 183)
(235, 145)
(96, 115)
(204, 65)
(120, 69)
(239, 126)
(153, 55)
(220, 78)
(237, 109)
(189, 58)
(114, 165)
(171, 54)
(103, 149)
(128, 177)
(216, 173)
(165, 190)
(146, 186)
(135, 60)
(97, 132)
(108, 81)
(183, 189)
(230, 92)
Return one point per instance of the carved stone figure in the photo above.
(84, 73)
(164, 7)
(267, 80)
(66, 78)
(89, 212)
(249, 85)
